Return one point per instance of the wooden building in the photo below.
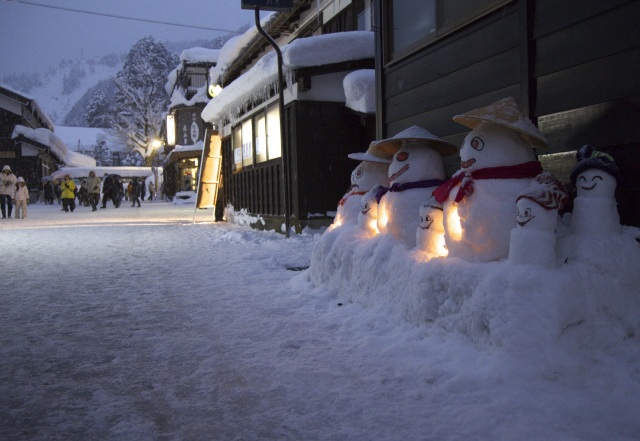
(320, 129)
(185, 128)
(571, 64)
(27, 157)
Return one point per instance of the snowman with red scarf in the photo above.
(415, 171)
(497, 164)
(371, 171)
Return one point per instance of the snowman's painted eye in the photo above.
(402, 156)
(527, 212)
(477, 143)
(582, 178)
(359, 172)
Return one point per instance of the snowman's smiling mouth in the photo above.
(589, 188)
(399, 172)
(427, 227)
(522, 224)
(468, 163)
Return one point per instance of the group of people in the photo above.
(13, 190)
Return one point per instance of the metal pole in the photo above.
(285, 153)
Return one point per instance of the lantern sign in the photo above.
(267, 5)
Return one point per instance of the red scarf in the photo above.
(348, 195)
(465, 179)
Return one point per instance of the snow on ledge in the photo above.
(304, 52)
(57, 146)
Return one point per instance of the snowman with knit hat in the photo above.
(371, 171)
(595, 178)
(533, 241)
(596, 236)
(497, 164)
(415, 171)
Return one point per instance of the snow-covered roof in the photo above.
(304, 52)
(200, 55)
(197, 147)
(36, 108)
(83, 172)
(58, 147)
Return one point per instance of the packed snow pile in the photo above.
(360, 90)
(557, 309)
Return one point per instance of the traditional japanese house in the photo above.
(302, 175)
(572, 65)
(188, 87)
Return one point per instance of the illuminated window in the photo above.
(260, 124)
(237, 148)
(274, 145)
(247, 143)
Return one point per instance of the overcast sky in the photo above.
(32, 38)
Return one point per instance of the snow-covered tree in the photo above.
(101, 153)
(132, 158)
(140, 99)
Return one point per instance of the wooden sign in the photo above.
(267, 5)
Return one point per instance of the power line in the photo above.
(122, 17)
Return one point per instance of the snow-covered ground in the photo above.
(137, 323)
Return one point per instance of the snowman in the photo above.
(368, 216)
(533, 241)
(430, 232)
(415, 171)
(371, 171)
(497, 164)
(595, 209)
(596, 237)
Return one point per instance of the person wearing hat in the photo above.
(68, 194)
(93, 190)
(7, 191)
(22, 199)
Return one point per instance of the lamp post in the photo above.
(156, 144)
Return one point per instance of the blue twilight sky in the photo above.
(33, 37)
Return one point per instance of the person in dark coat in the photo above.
(48, 193)
(135, 192)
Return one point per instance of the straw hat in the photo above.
(505, 113)
(372, 155)
(412, 135)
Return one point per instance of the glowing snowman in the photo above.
(415, 171)
(370, 172)
(533, 241)
(595, 209)
(368, 216)
(497, 164)
(430, 232)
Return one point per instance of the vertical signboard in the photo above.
(210, 170)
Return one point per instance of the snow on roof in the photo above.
(83, 172)
(34, 103)
(200, 55)
(178, 98)
(304, 52)
(198, 146)
(57, 146)
(360, 90)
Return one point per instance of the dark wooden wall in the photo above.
(320, 136)
(574, 65)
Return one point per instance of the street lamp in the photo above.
(155, 144)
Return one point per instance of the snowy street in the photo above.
(137, 324)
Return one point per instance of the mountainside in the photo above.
(60, 90)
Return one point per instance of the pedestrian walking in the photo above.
(143, 190)
(93, 190)
(152, 191)
(135, 192)
(48, 193)
(7, 191)
(68, 194)
(22, 199)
